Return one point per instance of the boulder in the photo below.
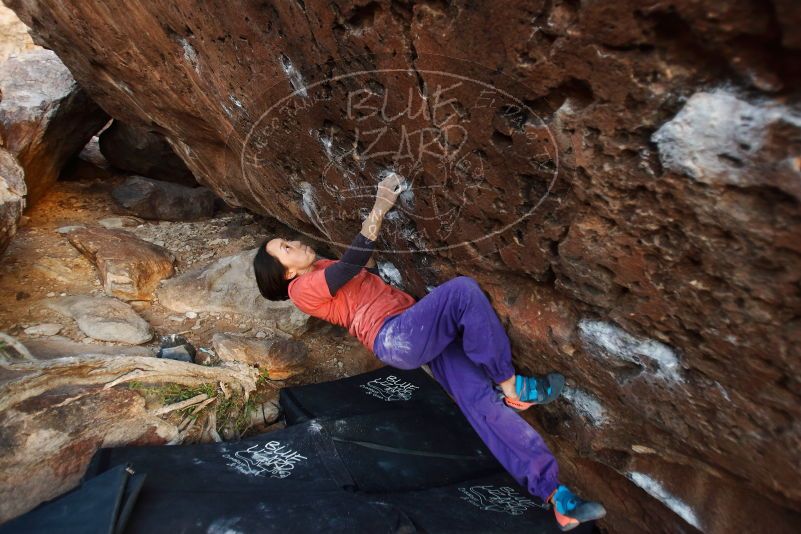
(12, 196)
(45, 117)
(228, 285)
(104, 318)
(280, 358)
(130, 268)
(139, 150)
(154, 199)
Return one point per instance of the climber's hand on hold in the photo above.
(388, 190)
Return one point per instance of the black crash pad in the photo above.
(384, 389)
(297, 480)
(494, 503)
(405, 450)
(386, 451)
(381, 452)
(100, 505)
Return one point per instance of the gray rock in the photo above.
(119, 222)
(154, 199)
(180, 353)
(12, 350)
(67, 229)
(44, 329)
(265, 413)
(104, 318)
(46, 118)
(228, 285)
(12, 196)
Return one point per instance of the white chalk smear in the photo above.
(315, 427)
(615, 342)
(396, 345)
(224, 526)
(586, 405)
(720, 138)
(657, 491)
(190, 54)
(390, 273)
(309, 206)
(295, 79)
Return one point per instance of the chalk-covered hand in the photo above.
(388, 190)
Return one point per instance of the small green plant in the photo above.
(228, 409)
(172, 393)
(264, 376)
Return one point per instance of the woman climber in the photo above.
(453, 328)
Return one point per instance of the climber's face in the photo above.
(293, 255)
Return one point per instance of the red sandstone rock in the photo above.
(130, 268)
(661, 277)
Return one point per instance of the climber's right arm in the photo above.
(361, 249)
(339, 273)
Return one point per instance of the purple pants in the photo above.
(455, 330)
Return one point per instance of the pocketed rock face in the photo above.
(659, 270)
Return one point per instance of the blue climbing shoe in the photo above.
(532, 390)
(570, 510)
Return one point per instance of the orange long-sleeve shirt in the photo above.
(361, 305)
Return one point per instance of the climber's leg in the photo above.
(516, 445)
(456, 309)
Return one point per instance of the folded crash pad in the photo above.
(404, 450)
(381, 452)
(299, 480)
(100, 505)
(385, 389)
(495, 503)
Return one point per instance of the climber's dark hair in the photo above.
(270, 274)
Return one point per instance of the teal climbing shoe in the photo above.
(570, 510)
(532, 390)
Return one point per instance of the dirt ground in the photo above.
(40, 263)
